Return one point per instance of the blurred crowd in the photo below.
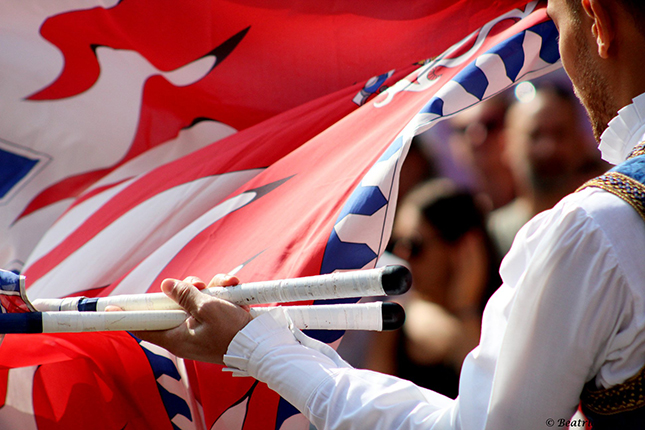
(466, 187)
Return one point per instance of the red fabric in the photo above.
(286, 54)
(98, 381)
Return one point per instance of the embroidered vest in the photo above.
(621, 406)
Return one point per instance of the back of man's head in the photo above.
(635, 9)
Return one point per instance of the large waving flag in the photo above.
(142, 140)
(89, 87)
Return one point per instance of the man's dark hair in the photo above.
(634, 8)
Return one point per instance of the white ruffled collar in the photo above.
(624, 132)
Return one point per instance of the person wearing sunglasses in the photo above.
(439, 231)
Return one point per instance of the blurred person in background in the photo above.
(440, 232)
(476, 142)
(549, 148)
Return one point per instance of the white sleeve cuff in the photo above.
(288, 361)
(271, 327)
(315, 380)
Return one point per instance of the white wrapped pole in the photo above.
(388, 280)
(370, 316)
(377, 316)
(77, 322)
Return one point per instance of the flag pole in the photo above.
(378, 316)
(384, 281)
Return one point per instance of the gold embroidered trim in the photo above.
(628, 189)
(638, 150)
(629, 395)
(625, 397)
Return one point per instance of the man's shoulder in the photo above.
(587, 215)
(603, 208)
(593, 214)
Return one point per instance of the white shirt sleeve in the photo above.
(548, 329)
(545, 333)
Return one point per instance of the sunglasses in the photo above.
(413, 246)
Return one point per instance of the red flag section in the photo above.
(87, 89)
(98, 381)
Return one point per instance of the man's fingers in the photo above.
(194, 280)
(207, 332)
(173, 340)
(223, 280)
(187, 295)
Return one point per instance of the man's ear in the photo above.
(602, 26)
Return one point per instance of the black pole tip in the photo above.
(393, 315)
(27, 322)
(396, 280)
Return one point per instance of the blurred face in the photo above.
(477, 141)
(477, 132)
(578, 51)
(427, 254)
(545, 145)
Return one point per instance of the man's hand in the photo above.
(211, 325)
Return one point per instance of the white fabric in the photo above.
(625, 131)
(571, 309)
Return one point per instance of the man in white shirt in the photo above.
(570, 316)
